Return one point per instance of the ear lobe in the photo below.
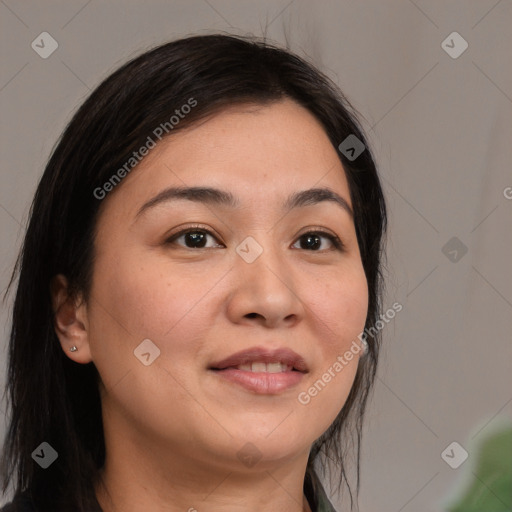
(70, 321)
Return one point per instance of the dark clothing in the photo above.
(313, 490)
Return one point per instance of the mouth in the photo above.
(263, 360)
(262, 371)
(261, 367)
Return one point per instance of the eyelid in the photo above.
(191, 228)
(331, 236)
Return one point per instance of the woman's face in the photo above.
(255, 276)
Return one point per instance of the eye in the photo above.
(197, 238)
(312, 241)
(193, 238)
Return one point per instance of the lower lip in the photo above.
(261, 382)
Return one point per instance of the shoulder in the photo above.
(315, 493)
(21, 503)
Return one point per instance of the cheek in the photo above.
(340, 310)
(146, 297)
(340, 306)
(134, 301)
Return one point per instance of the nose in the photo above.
(265, 292)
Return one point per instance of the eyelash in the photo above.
(335, 240)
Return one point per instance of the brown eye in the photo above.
(193, 239)
(313, 241)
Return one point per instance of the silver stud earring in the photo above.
(73, 348)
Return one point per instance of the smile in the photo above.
(262, 371)
(262, 381)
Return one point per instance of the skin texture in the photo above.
(173, 429)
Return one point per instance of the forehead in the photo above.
(261, 153)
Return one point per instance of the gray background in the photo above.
(441, 129)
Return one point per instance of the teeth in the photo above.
(262, 367)
(259, 367)
(275, 368)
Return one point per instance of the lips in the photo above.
(263, 360)
(261, 371)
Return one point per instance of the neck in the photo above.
(221, 492)
(142, 476)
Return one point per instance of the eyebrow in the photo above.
(215, 196)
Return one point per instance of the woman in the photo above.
(200, 268)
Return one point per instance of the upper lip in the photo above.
(262, 355)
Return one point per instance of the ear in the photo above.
(70, 321)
